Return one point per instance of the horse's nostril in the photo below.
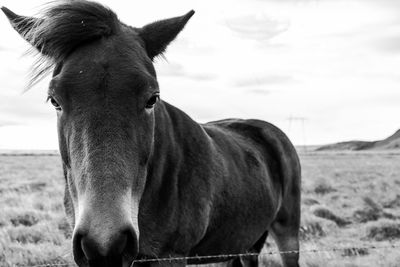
(131, 248)
(79, 255)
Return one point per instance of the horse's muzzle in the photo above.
(115, 249)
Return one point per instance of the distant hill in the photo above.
(390, 143)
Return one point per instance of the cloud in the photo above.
(383, 3)
(257, 28)
(289, 1)
(174, 69)
(263, 80)
(380, 2)
(170, 69)
(259, 91)
(388, 44)
(202, 76)
(23, 108)
(8, 123)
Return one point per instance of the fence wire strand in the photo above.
(231, 256)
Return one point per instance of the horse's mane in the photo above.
(62, 27)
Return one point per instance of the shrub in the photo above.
(372, 211)
(26, 219)
(383, 230)
(311, 228)
(351, 252)
(325, 213)
(310, 201)
(323, 187)
(395, 202)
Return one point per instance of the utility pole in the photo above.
(302, 120)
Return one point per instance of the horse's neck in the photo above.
(177, 139)
(178, 129)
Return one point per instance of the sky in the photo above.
(321, 70)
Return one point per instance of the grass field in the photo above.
(349, 199)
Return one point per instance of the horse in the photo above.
(142, 179)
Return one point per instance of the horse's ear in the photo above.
(159, 34)
(22, 24)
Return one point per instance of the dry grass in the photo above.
(349, 199)
(357, 196)
(31, 220)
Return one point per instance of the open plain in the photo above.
(350, 203)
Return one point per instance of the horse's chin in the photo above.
(125, 263)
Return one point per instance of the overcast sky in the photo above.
(321, 70)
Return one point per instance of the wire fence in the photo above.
(222, 257)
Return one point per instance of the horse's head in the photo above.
(104, 90)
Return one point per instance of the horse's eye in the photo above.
(152, 101)
(54, 103)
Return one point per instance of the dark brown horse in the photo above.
(143, 180)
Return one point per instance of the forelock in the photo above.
(62, 27)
